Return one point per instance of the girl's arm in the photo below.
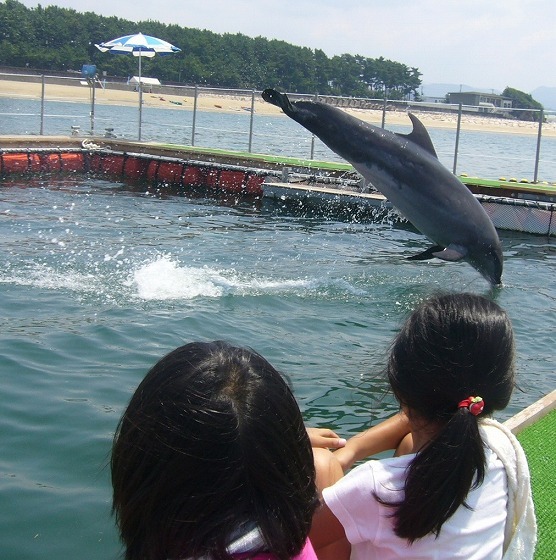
(328, 536)
(382, 437)
(325, 438)
(327, 533)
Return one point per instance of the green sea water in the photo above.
(99, 280)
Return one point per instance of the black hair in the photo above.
(450, 348)
(211, 443)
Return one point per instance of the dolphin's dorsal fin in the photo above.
(419, 135)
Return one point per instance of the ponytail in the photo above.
(444, 471)
(451, 346)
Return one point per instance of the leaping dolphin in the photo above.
(405, 168)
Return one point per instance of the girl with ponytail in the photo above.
(455, 487)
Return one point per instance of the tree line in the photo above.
(522, 100)
(61, 39)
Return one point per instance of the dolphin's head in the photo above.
(489, 262)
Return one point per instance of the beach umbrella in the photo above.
(138, 45)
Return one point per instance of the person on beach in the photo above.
(211, 460)
(459, 484)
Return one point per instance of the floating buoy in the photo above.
(212, 178)
(112, 164)
(51, 162)
(72, 162)
(166, 172)
(254, 184)
(135, 167)
(193, 176)
(21, 163)
(232, 181)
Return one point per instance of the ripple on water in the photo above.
(100, 280)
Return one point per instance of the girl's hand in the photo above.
(325, 438)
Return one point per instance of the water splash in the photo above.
(165, 279)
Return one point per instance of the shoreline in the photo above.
(213, 102)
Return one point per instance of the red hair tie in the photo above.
(475, 405)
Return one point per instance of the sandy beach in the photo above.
(210, 100)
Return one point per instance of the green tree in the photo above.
(521, 100)
(52, 38)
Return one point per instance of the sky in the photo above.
(487, 45)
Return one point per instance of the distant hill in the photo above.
(546, 96)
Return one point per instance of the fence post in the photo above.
(384, 109)
(251, 121)
(538, 154)
(93, 88)
(42, 107)
(456, 149)
(312, 155)
(194, 116)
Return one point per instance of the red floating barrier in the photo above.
(107, 164)
(121, 165)
(232, 181)
(20, 163)
(152, 170)
(72, 162)
(193, 176)
(95, 162)
(254, 184)
(50, 162)
(211, 179)
(135, 168)
(169, 172)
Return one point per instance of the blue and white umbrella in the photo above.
(138, 45)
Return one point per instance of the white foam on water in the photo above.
(165, 279)
(43, 276)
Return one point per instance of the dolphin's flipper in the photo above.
(451, 253)
(426, 255)
(419, 135)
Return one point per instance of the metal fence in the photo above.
(384, 109)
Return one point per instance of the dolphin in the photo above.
(406, 169)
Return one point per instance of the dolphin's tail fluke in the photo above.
(279, 99)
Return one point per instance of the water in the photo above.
(480, 154)
(100, 279)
